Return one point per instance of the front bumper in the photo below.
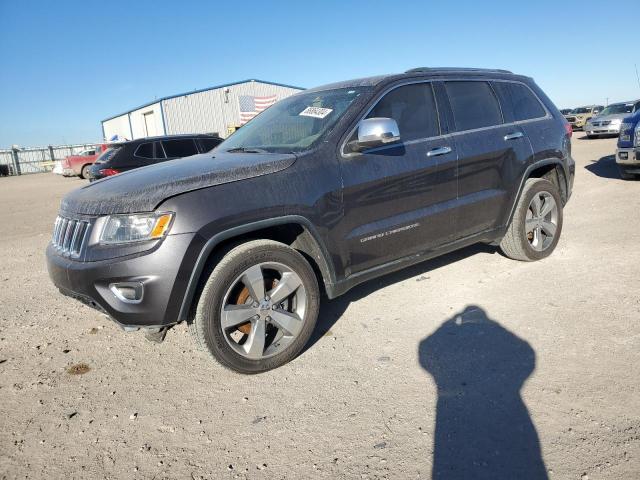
(611, 129)
(629, 159)
(163, 272)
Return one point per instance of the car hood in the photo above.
(613, 116)
(142, 189)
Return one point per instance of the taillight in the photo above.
(568, 129)
(107, 172)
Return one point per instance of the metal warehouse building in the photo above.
(220, 110)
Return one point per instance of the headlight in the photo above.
(636, 136)
(616, 121)
(135, 228)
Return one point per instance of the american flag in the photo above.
(251, 106)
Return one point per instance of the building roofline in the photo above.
(216, 87)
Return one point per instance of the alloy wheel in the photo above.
(263, 310)
(541, 221)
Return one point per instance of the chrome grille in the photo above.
(69, 235)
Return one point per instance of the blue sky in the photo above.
(66, 65)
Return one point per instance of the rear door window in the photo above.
(413, 107)
(518, 101)
(474, 104)
(208, 144)
(183, 147)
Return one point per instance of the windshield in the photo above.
(294, 124)
(581, 110)
(617, 108)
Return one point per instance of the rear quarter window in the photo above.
(518, 101)
(474, 104)
(144, 150)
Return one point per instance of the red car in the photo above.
(77, 165)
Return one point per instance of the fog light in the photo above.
(128, 292)
(623, 155)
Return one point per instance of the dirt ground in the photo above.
(537, 366)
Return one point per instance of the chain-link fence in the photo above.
(37, 160)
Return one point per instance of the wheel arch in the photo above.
(293, 230)
(550, 169)
(82, 168)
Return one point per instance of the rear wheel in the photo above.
(258, 308)
(537, 222)
(84, 173)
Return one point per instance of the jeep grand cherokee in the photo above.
(324, 190)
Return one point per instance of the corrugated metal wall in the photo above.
(210, 111)
(214, 111)
(117, 126)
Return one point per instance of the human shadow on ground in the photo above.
(483, 429)
(604, 167)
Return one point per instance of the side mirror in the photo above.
(375, 132)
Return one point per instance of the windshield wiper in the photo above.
(246, 150)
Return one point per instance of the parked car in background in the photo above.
(628, 148)
(608, 121)
(322, 191)
(141, 152)
(78, 165)
(579, 116)
(566, 111)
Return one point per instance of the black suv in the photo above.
(122, 157)
(324, 190)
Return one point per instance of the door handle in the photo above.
(438, 151)
(513, 136)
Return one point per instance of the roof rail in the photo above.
(456, 69)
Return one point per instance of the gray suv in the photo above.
(324, 190)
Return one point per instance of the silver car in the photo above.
(609, 120)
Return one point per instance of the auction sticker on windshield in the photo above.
(315, 112)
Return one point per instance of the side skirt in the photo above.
(343, 286)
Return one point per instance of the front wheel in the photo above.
(258, 307)
(536, 224)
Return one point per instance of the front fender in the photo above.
(321, 257)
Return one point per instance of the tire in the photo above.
(624, 175)
(84, 172)
(227, 280)
(526, 243)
